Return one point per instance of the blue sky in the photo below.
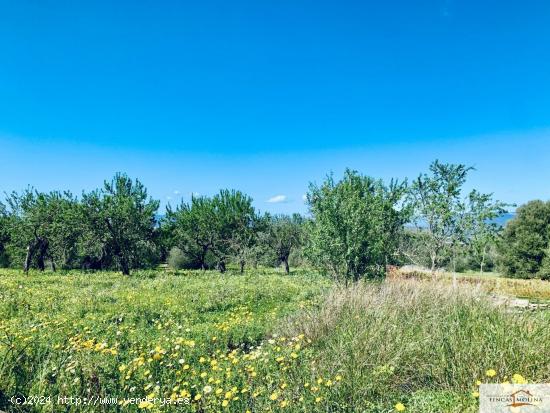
(266, 96)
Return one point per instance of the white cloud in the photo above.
(277, 199)
(176, 192)
(168, 197)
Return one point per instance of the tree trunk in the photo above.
(482, 263)
(203, 258)
(287, 268)
(28, 257)
(221, 266)
(124, 267)
(455, 279)
(242, 267)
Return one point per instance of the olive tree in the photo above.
(439, 209)
(121, 224)
(356, 224)
(235, 217)
(284, 233)
(481, 229)
(525, 246)
(223, 226)
(43, 226)
(193, 228)
(4, 236)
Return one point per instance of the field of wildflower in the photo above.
(259, 342)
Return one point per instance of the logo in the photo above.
(523, 398)
(514, 398)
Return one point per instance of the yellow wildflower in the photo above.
(518, 379)
(491, 373)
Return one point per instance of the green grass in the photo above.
(262, 341)
(423, 343)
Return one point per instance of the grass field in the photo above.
(257, 342)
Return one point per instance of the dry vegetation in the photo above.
(260, 342)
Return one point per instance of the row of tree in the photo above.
(355, 228)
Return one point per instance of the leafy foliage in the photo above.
(283, 235)
(43, 226)
(4, 236)
(120, 223)
(356, 225)
(224, 226)
(438, 208)
(449, 225)
(481, 229)
(525, 242)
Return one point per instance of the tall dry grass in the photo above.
(422, 342)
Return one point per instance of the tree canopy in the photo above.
(356, 223)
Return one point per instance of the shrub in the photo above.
(525, 241)
(356, 225)
(176, 259)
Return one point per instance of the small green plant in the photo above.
(176, 259)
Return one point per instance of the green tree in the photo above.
(356, 225)
(284, 233)
(544, 270)
(525, 241)
(121, 224)
(236, 220)
(439, 209)
(223, 226)
(244, 239)
(43, 226)
(481, 229)
(194, 228)
(4, 236)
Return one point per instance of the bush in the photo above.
(356, 225)
(525, 241)
(176, 259)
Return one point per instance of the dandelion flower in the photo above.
(400, 407)
(491, 373)
(475, 394)
(145, 404)
(518, 379)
